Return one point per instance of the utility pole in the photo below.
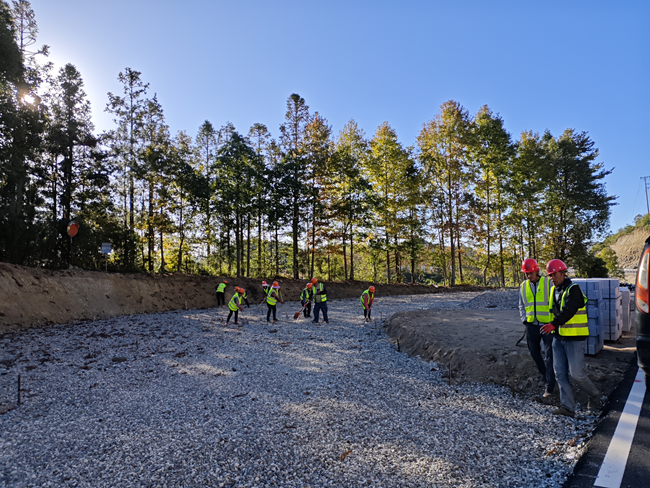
(645, 182)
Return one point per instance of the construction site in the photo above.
(132, 380)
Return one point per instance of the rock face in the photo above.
(628, 248)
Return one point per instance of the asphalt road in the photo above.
(604, 465)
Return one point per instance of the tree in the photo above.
(126, 143)
(443, 146)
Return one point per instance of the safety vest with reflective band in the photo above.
(234, 302)
(576, 325)
(371, 297)
(538, 305)
(304, 296)
(322, 297)
(270, 299)
(221, 288)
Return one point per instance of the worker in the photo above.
(271, 300)
(367, 298)
(220, 289)
(320, 300)
(570, 330)
(305, 299)
(535, 311)
(244, 297)
(235, 304)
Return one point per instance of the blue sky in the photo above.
(540, 65)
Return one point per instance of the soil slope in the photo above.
(31, 296)
(628, 248)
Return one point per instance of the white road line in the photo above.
(613, 467)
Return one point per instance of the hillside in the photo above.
(628, 247)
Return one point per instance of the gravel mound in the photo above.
(494, 300)
(178, 399)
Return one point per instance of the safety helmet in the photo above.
(309, 285)
(242, 291)
(276, 285)
(555, 265)
(236, 289)
(371, 289)
(529, 265)
(314, 280)
(264, 283)
(225, 282)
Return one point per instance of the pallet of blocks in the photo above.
(613, 308)
(595, 309)
(625, 308)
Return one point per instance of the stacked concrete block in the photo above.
(625, 300)
(595, 310)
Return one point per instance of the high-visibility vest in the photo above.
(221, 288)
(322, 297)
(576, 325)
(270, 299)
(304, 296)
(371, 297)
(234, 302)
(539, 304)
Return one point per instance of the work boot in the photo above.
(563, 411)
(236, 323)
(547, 393)
(593, 404)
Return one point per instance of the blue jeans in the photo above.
(318, 306)
(569, 359)
(544, 364)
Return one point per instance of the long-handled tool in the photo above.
(297, 314)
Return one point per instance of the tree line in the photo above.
(464, 204)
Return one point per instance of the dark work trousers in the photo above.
(317, 308)
(544, 364)
(221, 300)
(268, 312)
(366, 313)
(307, 310)
(230, 315)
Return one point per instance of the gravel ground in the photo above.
(177, 400)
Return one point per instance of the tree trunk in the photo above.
(351, 252)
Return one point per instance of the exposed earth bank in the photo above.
(30, 296)
(486, 346)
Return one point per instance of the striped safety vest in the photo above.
(538, 305)
(269, 298)
(577, 325)
(234, 302)
(322, 297)
(371, 297)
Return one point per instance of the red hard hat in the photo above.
(555, 265)
(529, 265)
(309, 285)
(242, 291)
(314, 280)
(276, 284)
(371, 289)
(264, 283)
(226, 282)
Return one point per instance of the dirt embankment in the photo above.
(486, 346)
(31, 296)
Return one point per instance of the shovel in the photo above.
(297, 314)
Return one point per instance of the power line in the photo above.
(645, 180)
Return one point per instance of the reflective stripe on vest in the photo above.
(322, 297)
(234, 302)
(221, 288)
(538, 305)
(304, 296)
(576, 326)
(371, 296)
(269, 299)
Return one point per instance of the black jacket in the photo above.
(575, 300)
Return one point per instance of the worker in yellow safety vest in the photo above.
(235, 304)
(220, 290)
(570, 330)
(535, 311)
(367, 298)
(320, 300)
(306, 297)
(271, 300)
